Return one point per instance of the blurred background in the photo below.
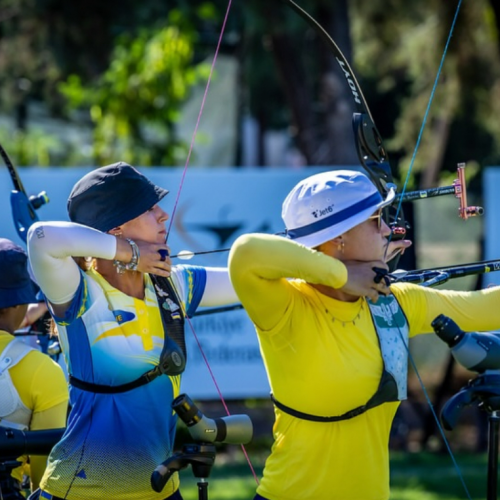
(85, 84)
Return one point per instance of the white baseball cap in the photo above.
(326, 205)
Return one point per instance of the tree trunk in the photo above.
(496, 9)
(440, 135)
(338, 146)
(324, 138)
(297, 94)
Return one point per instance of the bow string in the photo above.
(181, 184)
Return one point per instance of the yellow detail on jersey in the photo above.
(127, 330)
(82, 309)
(190, 285)
(176, 384)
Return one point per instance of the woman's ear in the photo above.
(332, 247)
(117, 231)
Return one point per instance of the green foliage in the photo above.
(399, 47)
(135, 104)
(426, 476)
(420, 476)
(134, 86)
(26, 67)
(265, 96)
(36, 146)
(33, 147)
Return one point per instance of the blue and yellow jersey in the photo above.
(113, 442)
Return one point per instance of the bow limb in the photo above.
(23, 207)
(371, 151)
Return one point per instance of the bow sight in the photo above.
(458, 188)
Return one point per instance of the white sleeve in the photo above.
(218, 289)
(51, 246)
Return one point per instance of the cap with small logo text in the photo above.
(326, 205)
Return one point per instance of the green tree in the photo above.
(398, 51)
(293, 80)
(135, 103)
(44, 43)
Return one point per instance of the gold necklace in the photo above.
(333, 318)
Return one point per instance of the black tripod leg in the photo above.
(202, 489)
(493, 432)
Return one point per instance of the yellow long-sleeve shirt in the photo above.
(322, 357)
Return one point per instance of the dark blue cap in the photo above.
(16, 287)
(110, 196)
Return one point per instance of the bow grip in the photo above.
(23, 210)
(23, 213)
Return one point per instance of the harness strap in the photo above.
(173, 321)
(316, 418)
(13, 353)
(386, 392)
(173, 355)
(115, 389)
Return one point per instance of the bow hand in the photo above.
(363, 279)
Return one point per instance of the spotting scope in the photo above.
(476, 351)
(233, 429)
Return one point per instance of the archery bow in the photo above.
(370, 149)
(23, 207)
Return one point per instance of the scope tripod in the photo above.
(484, 389)
(10, 488)
(200, 456)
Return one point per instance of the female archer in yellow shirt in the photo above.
(333, 336)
